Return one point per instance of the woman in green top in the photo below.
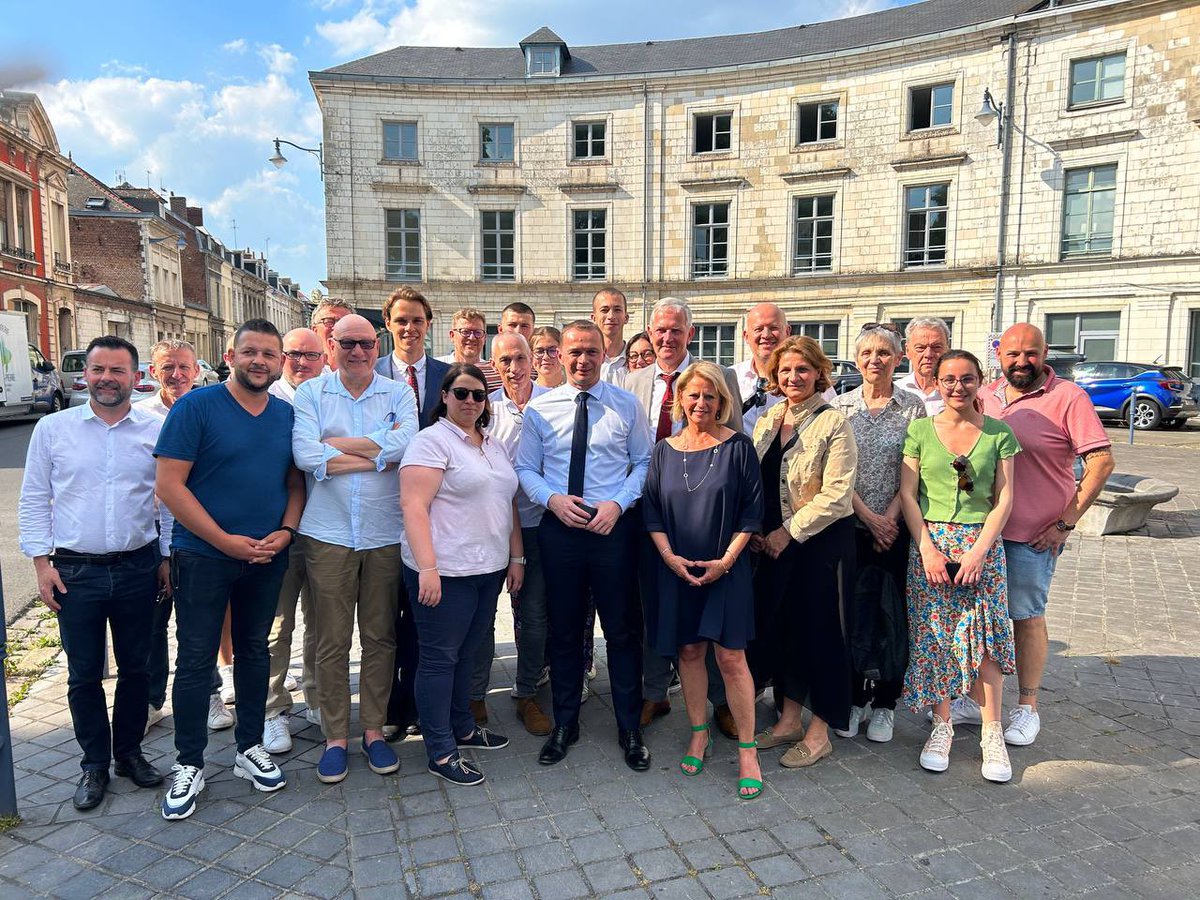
(956, 492)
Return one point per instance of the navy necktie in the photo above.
(578, 446)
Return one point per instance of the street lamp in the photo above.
(278, 160)
(991, 112)
(180, 242)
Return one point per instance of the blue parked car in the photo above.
(1163, 397)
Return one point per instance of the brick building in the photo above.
(837, 169)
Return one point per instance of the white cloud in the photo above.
(235, 46)
(277, 59)
(444, 23)
(848, 8)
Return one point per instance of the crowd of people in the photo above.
(734, 530)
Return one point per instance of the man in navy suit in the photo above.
(407, 315)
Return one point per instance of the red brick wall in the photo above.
(109, 251)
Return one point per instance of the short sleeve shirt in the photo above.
(880, 438)
(240, 462)
(939, 495)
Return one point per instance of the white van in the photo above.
(29, 383)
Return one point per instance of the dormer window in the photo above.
(545, 53)
(96, 203)
(543, 60)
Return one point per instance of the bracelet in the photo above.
(429, 569)
(519, 560)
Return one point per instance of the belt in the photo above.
(98, 559)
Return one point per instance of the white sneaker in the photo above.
(935, 757)
(1024, 724)
(257, 767)
(857, 714)
(587, 692)
(179, 802)
(153, 717)
(676, 685)
(228, 696)
(313, 716)
(219, 718)
(277, 737)
(883, 723)
(963, 711)
(543, 678)
(591, 673)
(996, 766)
(290, 682)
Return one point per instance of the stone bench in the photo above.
(1125, 504)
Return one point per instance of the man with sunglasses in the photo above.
(352, 428)
(766, 327)
(468, 334)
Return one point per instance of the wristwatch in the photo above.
(290, 530)
(519, 560)
(1063, 526)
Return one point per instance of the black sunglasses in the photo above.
(461, 393)
(350, 344)
(886, 326)
(959, 464)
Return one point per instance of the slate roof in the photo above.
(648, 57)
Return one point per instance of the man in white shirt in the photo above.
(303, 358)
(87, 519)
(407, 315)
(173, 365)
(766, 327)
(611, 315)
(468, 334)
(351, 431)
(925, 340)
(514, 362)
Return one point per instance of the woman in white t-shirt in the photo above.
(461, 542)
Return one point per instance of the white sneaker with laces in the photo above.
(257, 767)
(219, 718)
(1024, 724)
(883, 724)
(290, 682)
(996, 766)
(180, 800)
(857, 714)
(963, 711)
(277, 736)
(935, 757)
(228, 695)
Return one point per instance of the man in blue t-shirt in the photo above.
(225, 471)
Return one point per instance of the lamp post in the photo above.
(990, 112)
(180, 242)
(279, 160)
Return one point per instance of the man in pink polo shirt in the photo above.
(1054, 421)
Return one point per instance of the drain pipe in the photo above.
(1005, 181)
(645, 199)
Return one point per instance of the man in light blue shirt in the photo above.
(352, 428)
(584, 451)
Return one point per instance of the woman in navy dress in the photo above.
(701, 503)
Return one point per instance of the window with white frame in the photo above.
(403, 244)
(926, 213)
(543, 60)
(713, 132)
(817, 122)
(931, 106)
(498, 243)
(1089, 204)
(496, 142)
(813, 250)
(715, 343)
(590, 244)
(826, 334)
(710, 240)
(1094, 334)
(589, 140)
(400, 140)
(1097, 79)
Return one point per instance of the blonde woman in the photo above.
(547, 365)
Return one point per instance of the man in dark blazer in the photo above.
(671, 330)
(407, 315)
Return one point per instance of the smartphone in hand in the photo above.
(589, 511)
(952, 569)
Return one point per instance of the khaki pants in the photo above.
(279, 699)
(343, 581)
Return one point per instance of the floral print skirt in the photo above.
(951, 628)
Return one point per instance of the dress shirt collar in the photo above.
(1000, 388)
(335, 385)
(683, 364)
(464, 436)
(594, 391)
(857, 401)
(90, 413)
(909, 381)
(401, 367)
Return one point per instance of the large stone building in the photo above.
(838, 169)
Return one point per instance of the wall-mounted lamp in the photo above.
(990, 112)
(279, 160)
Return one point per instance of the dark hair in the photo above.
(951, 355)
(606, 291)
(111, 342)
(640, 336)
(408, 295)
(452, 375)
(521, 309)
(257, 326)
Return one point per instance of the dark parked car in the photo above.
(1162, 394)
(1063, 361)
(846, 376)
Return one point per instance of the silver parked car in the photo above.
(72, 369)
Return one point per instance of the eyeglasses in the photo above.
(297, 355)
(327, 322)
(886, 326)
(960, 464)
(350, 343)
(461, 393)
(551, 352)
(966, 382)
(646, 356)
(469, 333)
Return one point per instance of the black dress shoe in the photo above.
(137, 770)
(90, 792)
(637, 754)
(555, 748)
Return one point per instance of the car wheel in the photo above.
(1146, 414)
(1174, 423)
(56, 404)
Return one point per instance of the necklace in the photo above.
(712, 462)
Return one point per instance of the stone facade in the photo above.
(650, 181)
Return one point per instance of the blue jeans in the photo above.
(1029, 575)
(119, 595)
(204, 586)
(449, 635)
(159, 663)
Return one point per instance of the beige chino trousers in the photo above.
(279, 643)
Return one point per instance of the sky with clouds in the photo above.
(187, 96)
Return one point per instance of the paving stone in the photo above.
(565, 884)
(727, 883)
(495, 867)
(659, 865)
(591, 847)
(609, 876)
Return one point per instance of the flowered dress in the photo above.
(951, 628)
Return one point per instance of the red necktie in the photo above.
(412, 383)
(665, 425)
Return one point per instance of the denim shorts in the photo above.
(1029, 574)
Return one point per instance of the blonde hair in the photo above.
(810, 351)
(468, 314)
(711, 373)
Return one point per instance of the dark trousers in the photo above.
(449, 635)
(119, 596)
(894, 560)
(529, 629)
(402, 702)
(204, 586)
(580, 565)
(159, 664)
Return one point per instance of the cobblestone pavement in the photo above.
(1104, 803)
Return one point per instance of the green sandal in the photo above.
(749, 782)
(697, 764)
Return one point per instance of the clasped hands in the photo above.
(570, 511)
(713, 568)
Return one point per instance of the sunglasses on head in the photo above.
(886, 326)
(461, 393)
(960, 464)
(350, 343)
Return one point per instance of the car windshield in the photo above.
(73, 365)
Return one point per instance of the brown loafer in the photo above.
(654, 709)
(799, 756)
(479, 712)
(768, 740)
(532, 717)
(723, 716)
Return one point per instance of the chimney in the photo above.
(195, 216)
(178, 205)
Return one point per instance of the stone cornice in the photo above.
(815, 174)
(589, 187)
(488, 188)
(709, 184)
(401, 187)
(1094, 140)
(913, 163)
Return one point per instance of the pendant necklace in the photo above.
(707, 472)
